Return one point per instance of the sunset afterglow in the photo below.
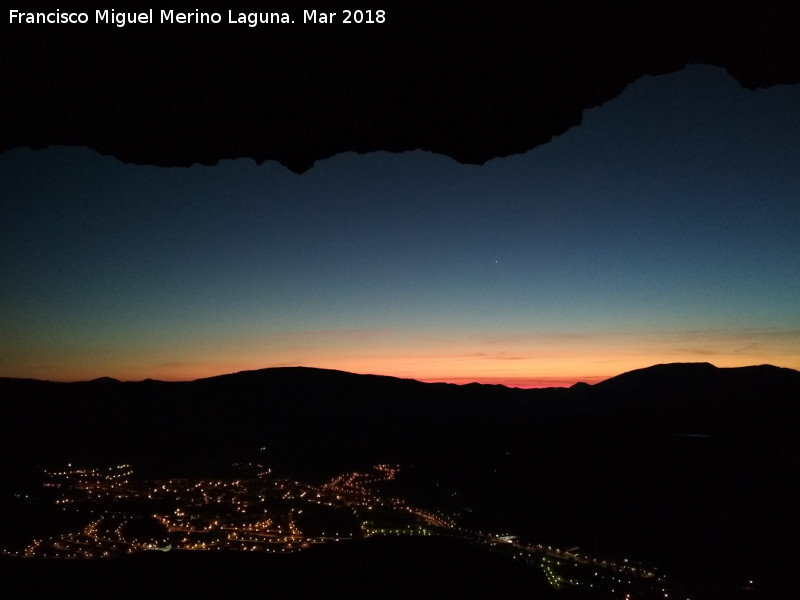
(623, 243)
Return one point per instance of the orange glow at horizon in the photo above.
(524, 362)
(521, 382)
(517, 360)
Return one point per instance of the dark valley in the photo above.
(686, 470)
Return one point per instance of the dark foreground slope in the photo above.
(398, 568)
(688, 467)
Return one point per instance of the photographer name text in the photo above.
(196, 17)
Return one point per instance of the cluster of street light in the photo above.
(260, 513)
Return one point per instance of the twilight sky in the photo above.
(665, 228)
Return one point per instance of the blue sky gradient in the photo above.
(665, 227)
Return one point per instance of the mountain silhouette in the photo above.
(686, 465)
(346, 413)
(679, 376)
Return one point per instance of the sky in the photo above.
(664, 228)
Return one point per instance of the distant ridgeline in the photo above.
(685, 466)
(313, 418)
